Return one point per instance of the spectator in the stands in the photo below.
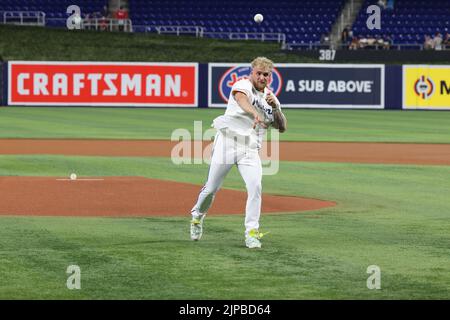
(345, 36)
(367, 42)
(371, 41)
(388, 42)
(428, 43)
(103, 23)
(93, 21)
(446, 42)
(354, 45)
(379, 42)
(103, 18)
(121, 16)
(437, 41)
(350, 32)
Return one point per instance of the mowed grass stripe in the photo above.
(304, 258)
(159, 124)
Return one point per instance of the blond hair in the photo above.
(262, 62)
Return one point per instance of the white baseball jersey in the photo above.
(240, 122)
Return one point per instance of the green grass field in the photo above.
(394, 216)
(304, 125)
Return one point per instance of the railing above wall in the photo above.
(170, 29)
(33, 18)
(100, 24)
(394, 46)
(200, 32)
(261, 36)
(107, 24)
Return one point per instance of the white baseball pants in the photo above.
(228, 151)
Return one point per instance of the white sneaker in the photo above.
(252, 242)
(252, 239)
(197, 228)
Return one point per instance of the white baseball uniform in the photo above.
(236, 142)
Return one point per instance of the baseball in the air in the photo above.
(258, 18)
(73, 176)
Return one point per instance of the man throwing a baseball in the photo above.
(251, 109)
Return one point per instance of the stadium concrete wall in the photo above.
(393, 87)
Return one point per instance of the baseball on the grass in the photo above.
(73, 176)
(258, 18)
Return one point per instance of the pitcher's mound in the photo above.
(126, 196)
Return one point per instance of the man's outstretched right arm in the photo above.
(243, 102)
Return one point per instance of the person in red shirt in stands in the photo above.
(121, 15)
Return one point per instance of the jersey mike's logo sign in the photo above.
(424, 87)
(307, 85)
(102, 83)
(234, 74)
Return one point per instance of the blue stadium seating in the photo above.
(53, 9)
(301, 22)
(408, 22)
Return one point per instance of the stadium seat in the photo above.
(237, 16)
(409, 21)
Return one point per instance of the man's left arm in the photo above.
(279, 120)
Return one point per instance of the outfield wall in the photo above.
(308, 85)
(53, 83)
(426, 87)
(132, 84)
(3, 85)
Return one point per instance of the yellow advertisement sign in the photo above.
(426, 87)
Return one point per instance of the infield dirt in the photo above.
(137, 196)
(356, 152)
(127, 196)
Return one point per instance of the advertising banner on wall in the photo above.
(2, 101)
(128, 84)
(426, 87)
(308, 85)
